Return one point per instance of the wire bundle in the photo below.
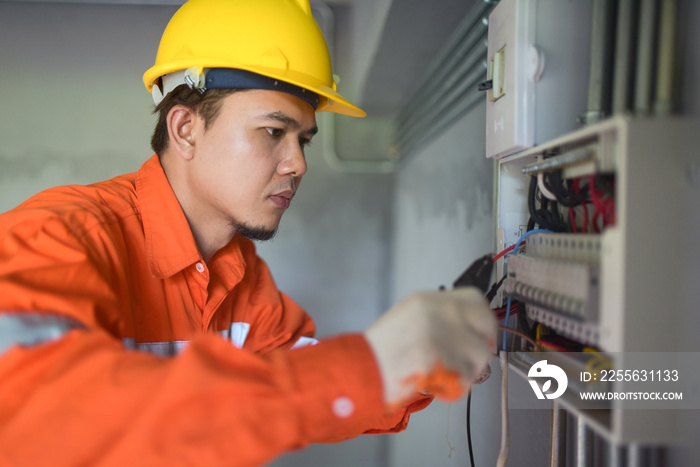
(501, 312)
(550, 197)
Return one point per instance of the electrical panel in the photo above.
(596, 201)
(614, 272)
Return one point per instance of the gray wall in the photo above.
(74, 109)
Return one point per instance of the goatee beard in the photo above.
(254, 233)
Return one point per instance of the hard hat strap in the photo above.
(231, 78)
(228, 78)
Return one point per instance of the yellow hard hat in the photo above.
(211, 43)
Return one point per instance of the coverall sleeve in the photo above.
(77, 397)
(83, 400)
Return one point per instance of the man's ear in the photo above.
(181, 121)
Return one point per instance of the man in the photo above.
(137, 324)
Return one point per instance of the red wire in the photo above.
(501, 312)
(498, 256)
(594, 220)
(611, 210)
(572, 217)
(610, 206)
(552, 346)
(601, 207)
(605, 207)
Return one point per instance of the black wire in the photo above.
(469, 428)
(550, 211)
(565, 196)
(605, 183)
(542, 217)
(491, 294)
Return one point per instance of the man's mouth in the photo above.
(282, 199)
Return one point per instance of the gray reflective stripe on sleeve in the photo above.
(304, 342)
(236, 334)
(162, 349)
(33, 328)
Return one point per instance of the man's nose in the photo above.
(294, 162)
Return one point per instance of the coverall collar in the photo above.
(170, 245)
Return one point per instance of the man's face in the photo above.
(248, 164)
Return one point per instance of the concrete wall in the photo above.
(74, 109)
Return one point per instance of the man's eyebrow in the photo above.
(288, 120)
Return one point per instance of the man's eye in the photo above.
(275, 132)
(304, 142)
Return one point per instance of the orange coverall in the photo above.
(120, 346)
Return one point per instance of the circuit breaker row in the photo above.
(557, 279)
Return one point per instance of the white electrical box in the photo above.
(630, 288)
(513, 66)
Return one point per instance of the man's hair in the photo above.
(207, 106)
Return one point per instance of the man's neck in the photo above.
(209, 235)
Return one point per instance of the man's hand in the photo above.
(436, 342)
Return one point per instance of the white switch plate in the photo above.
(510, 111)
